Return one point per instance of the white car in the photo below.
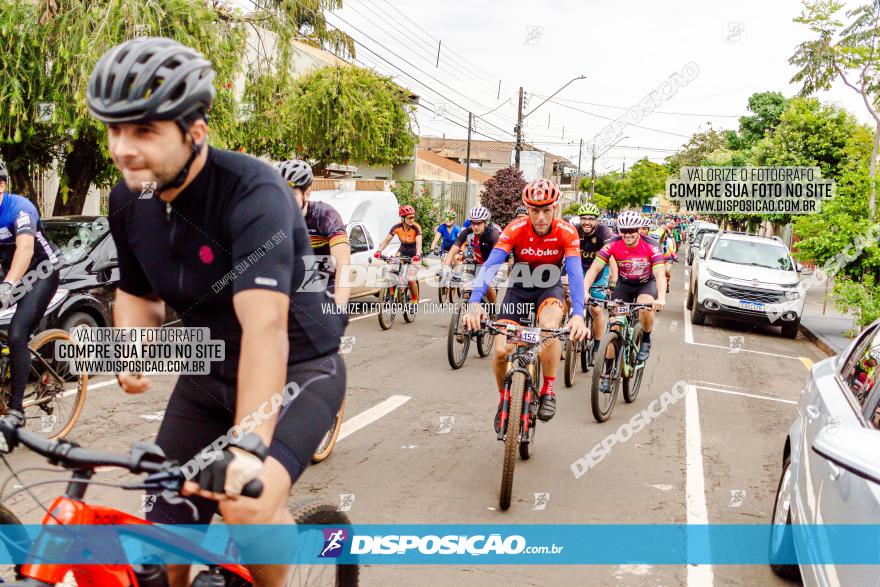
(831, 474)
(368, 215)
(747, 278)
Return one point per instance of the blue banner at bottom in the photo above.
(460, 544)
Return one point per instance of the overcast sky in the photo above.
(626, 49)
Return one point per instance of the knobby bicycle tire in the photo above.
(511, 440)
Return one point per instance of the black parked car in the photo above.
(88, 277)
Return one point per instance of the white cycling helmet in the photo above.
(479, 213)
(629, 219)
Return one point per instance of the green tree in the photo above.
(56, 43)
(767, 108)
(644, 180)
(428, 214)
(351, 114)
(845, 51)
(695, 151)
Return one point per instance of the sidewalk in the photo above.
(825, 330)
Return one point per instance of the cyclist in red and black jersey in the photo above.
(537, 240)
(485, 235)
(327, 233)
(410, 234)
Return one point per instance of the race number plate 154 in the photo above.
(530, 335)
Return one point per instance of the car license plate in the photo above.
(751, 305)
(530, 335)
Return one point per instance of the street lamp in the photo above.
(520, 116)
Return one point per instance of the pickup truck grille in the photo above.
(740, 292)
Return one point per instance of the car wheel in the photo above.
(690, 300)
(78, 319)
(697, 317)
(781, 545)
(790, 329)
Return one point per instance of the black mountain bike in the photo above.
(520, 402)
(624, 336)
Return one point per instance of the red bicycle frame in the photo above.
(68, 511)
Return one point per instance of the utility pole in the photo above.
(577, 182)
(518, 128)
(593, 174)
(467, 163)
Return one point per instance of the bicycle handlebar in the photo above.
(71, 456)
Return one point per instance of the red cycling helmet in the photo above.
(541, 192)
(406, 211)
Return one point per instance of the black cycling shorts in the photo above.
(202, 409)
(628, 291)
(520, 301)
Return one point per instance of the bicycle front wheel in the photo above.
(316, 513)
(632, 383)
(386, 308)
(602, 403)
(54, 397)
(570, 362)
(511, 439)
(457, 340)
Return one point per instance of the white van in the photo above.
(368, 216)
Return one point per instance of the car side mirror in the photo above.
(703, 253)
(852, 448)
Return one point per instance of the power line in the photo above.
(654, 112)
(613, 119)
(411, 65)
(404, 72)
(431, 52)
(465, 60)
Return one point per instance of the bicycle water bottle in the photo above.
(151, 575)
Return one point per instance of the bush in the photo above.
(571, 209)
(502, 194)
(428, 214)
(861, 298)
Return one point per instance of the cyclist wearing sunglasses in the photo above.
(641, 273)
(538, 240)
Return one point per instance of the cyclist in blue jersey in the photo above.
(30, 262)
(448, 231)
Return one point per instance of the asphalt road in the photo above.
(426, 451)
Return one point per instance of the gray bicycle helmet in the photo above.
(4, 175)
(150, 79)
(521, 211)
(296, 172)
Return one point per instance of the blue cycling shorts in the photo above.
(597, 290)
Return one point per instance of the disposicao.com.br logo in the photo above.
(476, 545)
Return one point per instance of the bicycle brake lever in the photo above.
(174, 498)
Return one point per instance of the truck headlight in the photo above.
(714, 284)
(792, 294)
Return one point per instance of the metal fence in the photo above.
(456, 195)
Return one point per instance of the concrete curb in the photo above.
(818, 340)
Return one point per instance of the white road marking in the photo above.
(697, 512)
(719, 384)
(766, 397)
(689, 339)
(688, 327)
(362, 317)
(370, 415)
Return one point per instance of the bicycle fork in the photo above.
(528, 395)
